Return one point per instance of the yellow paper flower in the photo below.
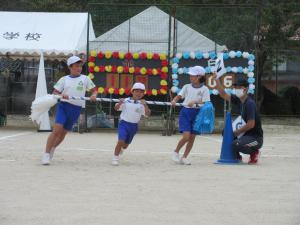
(154, 71)
(163, 83)
(100, 90)
(93, 53)
(135, 55)
(121, 91)
(108, 54)
(111, 90)
(143, 70)
(162, 56)
(154, 92)
(91, 64)
(131, 69)
(121, 55)
(164, 69)
(96, 69)
(91, 76)
(149, 55)
(108, 68)
(120, 69)
(163, 91)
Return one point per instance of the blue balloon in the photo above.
(228, 69)
(251, 80)
(185, 70)
(240, 69)
(186, 55)
(199, 55)
(175, 60)
(212, 55)
(175, 83)
(174, 70)
(251, 91)
(207, 69)
(178, 90)
(225, 55)
(251, 57)
(251, 68)
(238, 54)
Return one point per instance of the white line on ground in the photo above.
(14, 135)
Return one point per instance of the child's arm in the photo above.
(118, 105)
(93, 96)
(175, 100)
(147, 110)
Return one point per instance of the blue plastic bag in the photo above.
(205, 120)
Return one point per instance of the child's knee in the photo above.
(125, 146)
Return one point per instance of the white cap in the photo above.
(196, 70)
(139, 86)
(73, 59)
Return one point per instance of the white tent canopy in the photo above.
(149, 31)
(52, 33)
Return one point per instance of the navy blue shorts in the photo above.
(126, 131)
(67, 114)
(187, 117)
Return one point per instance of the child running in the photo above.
(194, 93)
(68, 111)
(129, 118)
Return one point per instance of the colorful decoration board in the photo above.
(237, 63)
(115, 72)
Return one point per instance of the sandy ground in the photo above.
(82, 188)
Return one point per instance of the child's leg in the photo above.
(185, 138)
(120, 144)
(189, 145)
(60, 139)
(57, 133)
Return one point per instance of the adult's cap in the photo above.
(73, 59)
(139, 86)
(196, 71)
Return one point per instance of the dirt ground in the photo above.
(81, 187)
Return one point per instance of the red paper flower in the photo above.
(91, 69)
(164, 63)
(115, 55)
(127, 91)
(149, 92)
(126, 69)
(102, 69)
(100, 55)
(128, 55)
(114, 69)
(116, 91)
(92, 59)
(143, 55)
(155, 56)
(165, 87)
(137, 70)
(106, 90)
(149, 71)
(158, 92)
(164, 76)
(158, 71)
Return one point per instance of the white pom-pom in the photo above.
(178, 55)
(174, 76)
(250, 74)
(175, 65)
(215, 92)
(206, 55)
(251, 63)
(231, 54)
(180, 70)
(174, 89)
(245, 55)
(251, 86)
(245, 70)
(192, 55)
(234, 69)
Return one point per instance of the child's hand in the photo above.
(173, 103)
(192, 103)
(64, 96)
(122, 100)
(93, 98)
(143, 102)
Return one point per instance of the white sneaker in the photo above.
(46, 159)
(52, 153)
(175, 157)
(185, 161)
(115, 160)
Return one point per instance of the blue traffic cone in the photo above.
(227, 155)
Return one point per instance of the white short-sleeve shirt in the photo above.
(74, 86)
(190, 93)
(131, 112)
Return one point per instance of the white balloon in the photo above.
(179, 55)
(250, 74)
(251, 86)
(215, 92)
(245, 70)
(174, 76)
(231, 54)
(174, 89)
(250, 62)
(206, 55)
(180, 70)
(192, 55)
(175, 65)
(245, 55)
(234, 69)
